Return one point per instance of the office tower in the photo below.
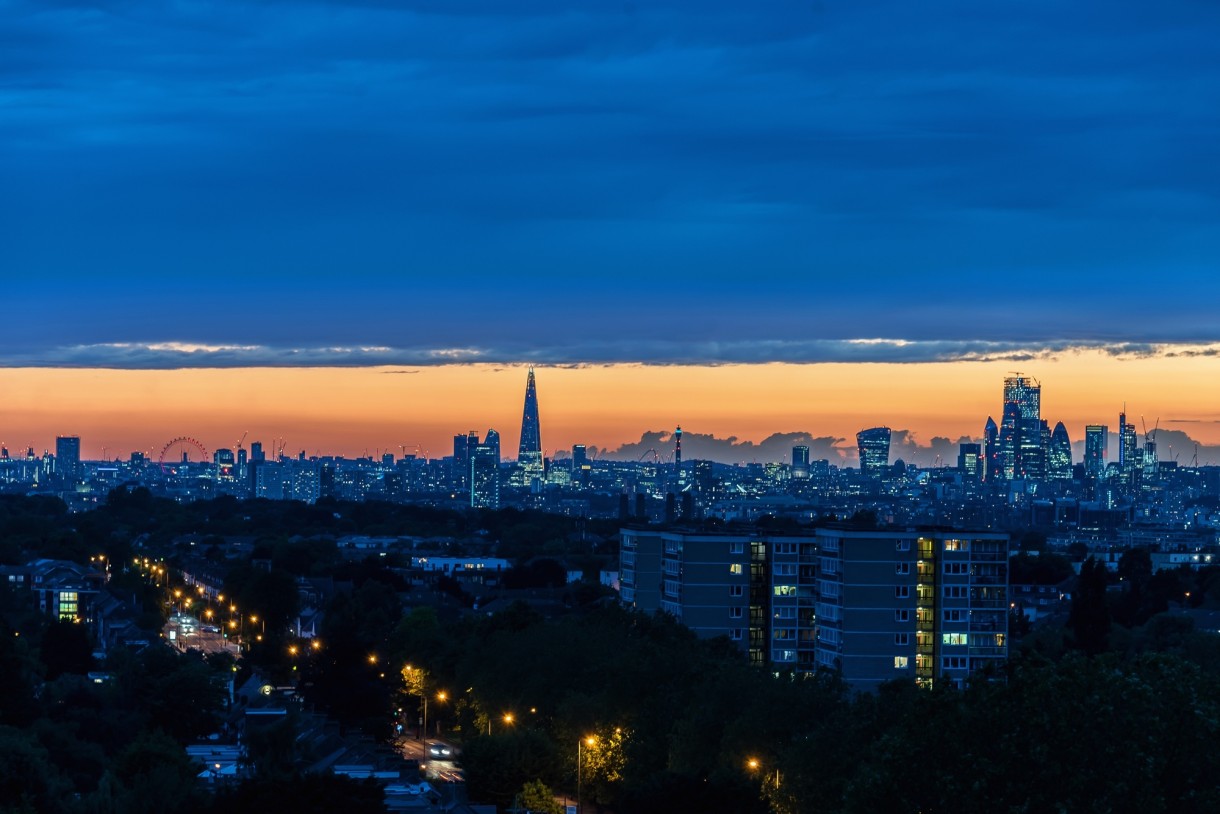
(529, 454)
(1130, 461)
(256, 452)
(493, 440)
(800, 462)
(1021, 447)
(67, 457)
(1059, 455)
(1152, 463)
(1026, 393)
(932, 606)
(1096, 442)
(224, 461)
(580, 458)
(970, 460)
(874, 446)
(242, 458)
(484, 478)
(992, 468)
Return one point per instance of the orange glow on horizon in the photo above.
(354, 411)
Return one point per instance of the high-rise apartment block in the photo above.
(928, 605)
(874, 605)
(67, 457)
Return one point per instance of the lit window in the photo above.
(735, 568)
(901, 662)
(785, 590)
(953, 638)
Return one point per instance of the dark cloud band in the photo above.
(179, 355)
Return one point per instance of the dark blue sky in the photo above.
(601, 181)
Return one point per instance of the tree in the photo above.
(537, 797)
(66, 649)
(1089, 619)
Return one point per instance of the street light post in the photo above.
(580, 742)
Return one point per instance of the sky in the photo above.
(800, 218)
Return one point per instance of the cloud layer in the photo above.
(175, 355)
(664, 179)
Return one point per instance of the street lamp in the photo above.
(508, 719)
(590, 741)
(753, 764)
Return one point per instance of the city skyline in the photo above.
(817, 219)
(355, 412)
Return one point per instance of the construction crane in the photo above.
(237, 448)
(420, 452)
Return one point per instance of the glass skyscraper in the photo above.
(874, 445)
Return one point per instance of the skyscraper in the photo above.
(874, 446)
(67, 457)
(800, 462)
(485, 476)
(992, 469)
(1096, 440)
(1130, 460)
(1021, 432)
(1059, 454)
(970, 460)
(529, 455)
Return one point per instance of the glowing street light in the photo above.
(589, 741)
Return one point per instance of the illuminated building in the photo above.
(928, 606)
(970, 460)
(875, 605)
(1130, 459)
(800, 462)
(1059, 454)
(485, 477)
(874, 446)
(992, 466)
(67, 457)
(1096, 441)
(529, 454)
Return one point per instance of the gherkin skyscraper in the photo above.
(529, 456)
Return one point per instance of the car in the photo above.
(439, 750)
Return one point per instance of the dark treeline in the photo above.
(1114, 709)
